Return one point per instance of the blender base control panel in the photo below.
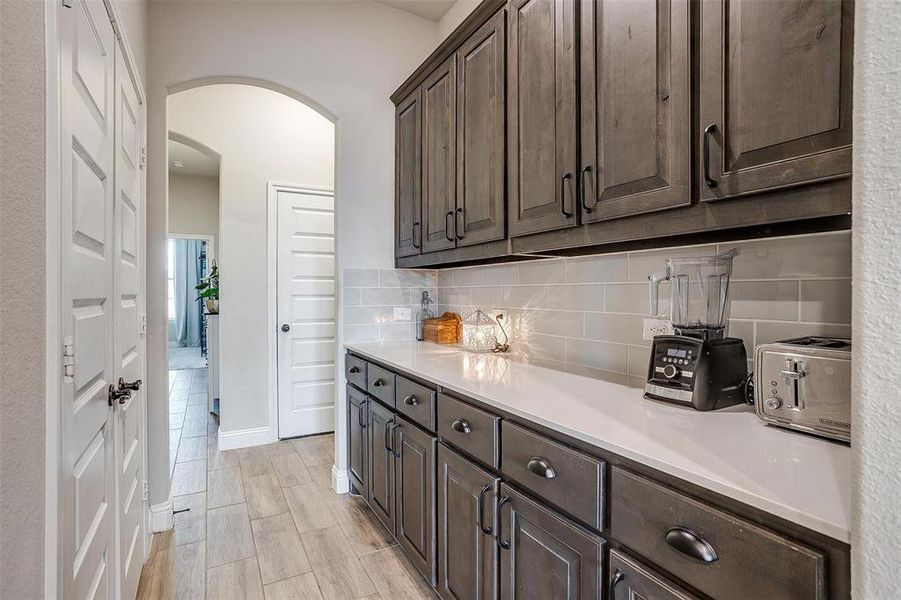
(672, 369)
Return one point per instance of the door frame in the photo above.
(272, 190)
(53, 290)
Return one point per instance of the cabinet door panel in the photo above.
(357, 440)
(480, 134)
(541, 115)
(775, 94)
(467, 555)
(415, 493)
(548, 556)
(381, 464)
(629, 579)
(439, 158)
(408, 176)
(635, 107)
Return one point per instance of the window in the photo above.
(170, 282)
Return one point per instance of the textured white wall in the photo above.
(875, 543)
(194, 206)
(454, 16)
(347, 57)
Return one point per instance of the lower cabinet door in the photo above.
(629, 579)
(467, 553)
(415, 496)
(543, 554)
(381, 463)
(357, 440)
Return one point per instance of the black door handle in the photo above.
(394, 449)
(361, 414)
(115, 394)
(417, 226)
(461, 426)
(485, 530)
(500, 520)
(614, 581)
(541, 467)
(563, 179)
(377, 383)
(457, 230)
(691, 544)
(447, 216)
(585, 206)
(708, 131)
(387, 447)
(353, 370)
(285, 328)
(134, 386)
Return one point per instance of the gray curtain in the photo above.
(188, 312)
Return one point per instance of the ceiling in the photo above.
(193, 161)
(432, 10)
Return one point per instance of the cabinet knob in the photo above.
(353, 370)
(690, 544)
(411, 400)
(461, 426)
(541, 467)
(377, 383)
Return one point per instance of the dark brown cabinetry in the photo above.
(544, 555)
(439, 175)
(775, 94)
(629, 579)
(382, 423)
(635, 108)
(357, 440)
(415, 496)
(541, 115)
(408, 176)
(467, 554)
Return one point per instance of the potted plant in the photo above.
(209, 290)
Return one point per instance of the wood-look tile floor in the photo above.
(264, 522)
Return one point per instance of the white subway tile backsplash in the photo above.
(542, 271)
(631, 298)
(826, 301)
(500, 275)
(470, 276)
(576, 297)
(800, 257)
(771, 300)
(770, 331)
(597, 269)
(646, 262)
(623, 329)
(598, 355)
(361, 277)
(522, 296)
(557, 322)
(383, 296)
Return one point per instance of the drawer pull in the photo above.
(485, 530)
(541, 467)
(377, 383)
(690, 544)
(353, 370)
(505, 544)
(411, 400)
(614, 581)
(461, 426)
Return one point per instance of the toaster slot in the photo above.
(792, 374)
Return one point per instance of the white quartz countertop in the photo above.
(803, 479)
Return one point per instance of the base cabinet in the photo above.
(381, 463)
(629, 579)
(358, 441)
(544, 555)
(467, 552)
(415, 495)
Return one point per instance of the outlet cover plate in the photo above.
(654, 327)
(403, 313)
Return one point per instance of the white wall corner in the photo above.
(340, 480)
(243, 438)
(161, 518)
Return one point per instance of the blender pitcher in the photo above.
(699, 289)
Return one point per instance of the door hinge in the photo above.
(143, 156)
(68, 358)
(143, 325)
(67, 3)
(146, 492)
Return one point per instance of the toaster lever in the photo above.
(793, 372)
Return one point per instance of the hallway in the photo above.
(264, 521)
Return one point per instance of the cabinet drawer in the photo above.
(565, 477)
(380, 384)
(470, 429)
(416, 402)
(717, 553)
(355, 370)
(630, 579)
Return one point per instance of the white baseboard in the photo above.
(242, 438)
(161, 516)
(340, 480)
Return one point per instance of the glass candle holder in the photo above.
(479, 333)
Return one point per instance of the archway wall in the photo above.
(343, 59)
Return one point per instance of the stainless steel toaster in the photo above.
(805, 384)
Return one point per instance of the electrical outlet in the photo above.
(653, 327)
(403, 313)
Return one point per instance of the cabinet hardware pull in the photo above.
(394, 451)
(448, 215)
(485, 530)
(500, 521)
(353, 370)
(134, 386)
(411, 400)
(458, 212)
(690, 544)
(563, 179)
(461, 426)
(585, 206)
(387, 447)
(361, 415)
(614, 581)
(377, 383)
(541, 467)
(708, 131)
(417, 226)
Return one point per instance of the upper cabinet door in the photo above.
(775, 94)
(439, 174)
(481, 70)
(541, 106)
(635, 109)
(408, 176)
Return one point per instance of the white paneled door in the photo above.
(101, 519)
(305, 291)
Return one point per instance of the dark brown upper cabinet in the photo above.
(408, 175)
(481, 201)
(541, 109)
(439, 171)
(775, 94)
(635, 108)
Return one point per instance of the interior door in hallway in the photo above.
(305, 290)
(128, 343)
(87, 488)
